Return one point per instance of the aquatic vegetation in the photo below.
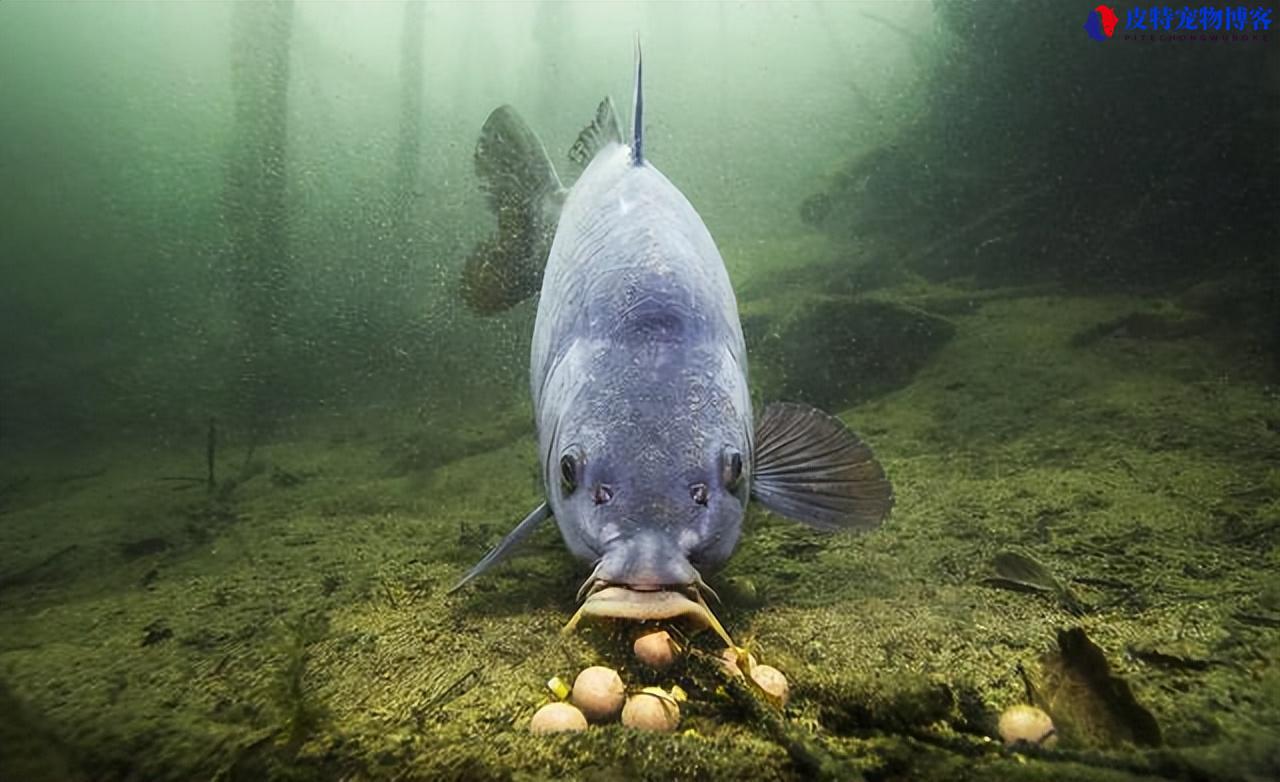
(300, 712)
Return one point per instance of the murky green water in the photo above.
(251, 432)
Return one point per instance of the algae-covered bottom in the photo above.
(294, 621)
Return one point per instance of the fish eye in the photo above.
(732, 468)
(699, 493)
(569, 464)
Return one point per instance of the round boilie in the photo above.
(1027, 724)
(772, 681)
(557, 717)
(655, 649)
(599, 692)
(646, 711)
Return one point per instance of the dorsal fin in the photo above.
(594, 137)
(637, 112)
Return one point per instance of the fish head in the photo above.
(651, 473)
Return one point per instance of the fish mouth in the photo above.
(646, 603)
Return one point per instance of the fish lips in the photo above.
(644, 605)
(650, 605)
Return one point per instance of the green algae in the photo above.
(311, 634)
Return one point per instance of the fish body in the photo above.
(638, 372)
(639, 380)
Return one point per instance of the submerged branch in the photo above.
(809, 756)
(974, 224)
(1163, 763)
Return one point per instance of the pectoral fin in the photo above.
(504, 548)
(811, 468)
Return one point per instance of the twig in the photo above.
(80, 476)
(810, 757)
(211, 444)
(454, 690)
(187, 481)
(972, 225)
